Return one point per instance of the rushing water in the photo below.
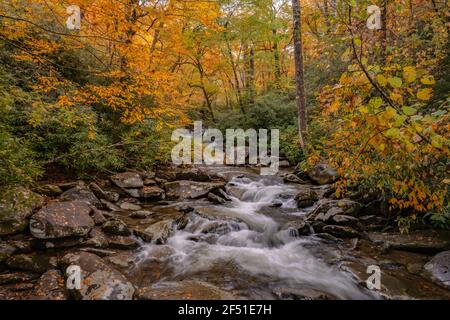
(247, 246)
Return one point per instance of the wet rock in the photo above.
(342, 206)
(327, 216)
(302, 294)
(97, 239)
(323, 174)
(17, 277)
(100, 281)
(21, 246)
(124, 260)
(36, 263)
(130, 206)
(298, 228)
(438, 269)
(159, 253)
(182, 190)
(276, 203)
(222, 193)
(128, 180)
(341, 231)
(152, 193)
(235, 191)
(183, 290)
(6, 251)
(193, 174)
(306, 198)
(117, 227)
(216, 199)
(16, 206)
(64, 186)
(109, 205)
(344, 220)
(122, 242)
(81, 193)
(46, 244)
(101, 194)
(50, 190)
(414, 268)
(290, 177)
(50, 286)
(422, 241)
(372, 220)
(327, 237)
(158, 232)
(150, 182)
(133, 192)
(98, 217)
(141, 214)
(99, 252)
(62, 219)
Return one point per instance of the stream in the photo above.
(247, 246)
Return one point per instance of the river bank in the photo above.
(210, 233)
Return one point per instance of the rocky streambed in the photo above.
(211, 233)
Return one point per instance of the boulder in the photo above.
(117, 227)
(438, 269)
(17, 277)
(36, 263)
(102, 194)
(421, 241)
(342, 206)
(158, 232)
(99, 280)
(110, 206)
(152, 193)
(46, 244)
(50, 286)
(81, 193)
(62, 219)
(127, 180)
(290, 177)
(183, 290)
(193, 174)
(341, 231)
(327, 216)
(298, 228)
(182, 190)
(135, 193)
(98, 216)
(16, 206)
(130, 206)
(50, 190)
(344, 220)
(215, 198)
(6, 251)
(323, 174)
(97, 239)
(306, 198)
(122, 242)
(141, 214)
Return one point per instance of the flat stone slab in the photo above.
(422, 241)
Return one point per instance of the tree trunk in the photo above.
(276, 57)
(249, 75)
(384, 28)
(299, 75)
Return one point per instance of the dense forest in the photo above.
(106, 96)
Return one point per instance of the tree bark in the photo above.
(299, 74)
